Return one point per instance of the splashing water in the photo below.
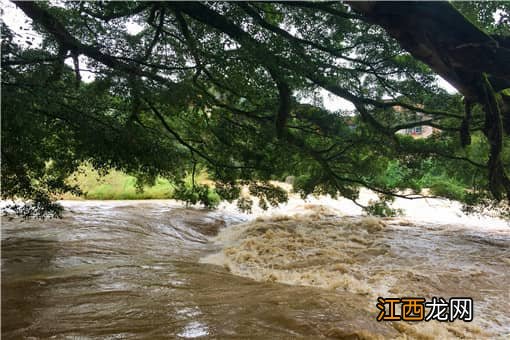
(155, 269)
(369, 257)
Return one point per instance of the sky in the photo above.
(21, 24)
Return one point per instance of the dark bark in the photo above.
(441, 37)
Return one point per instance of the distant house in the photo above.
(403, 116)
(420, 131)
(423, 131)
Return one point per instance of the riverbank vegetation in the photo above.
(176, 88)
(115, 185)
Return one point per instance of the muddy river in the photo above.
(155, 269)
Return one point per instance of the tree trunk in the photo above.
(475, 63)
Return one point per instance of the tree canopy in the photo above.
(222, 86)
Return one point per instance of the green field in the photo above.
(116, 186)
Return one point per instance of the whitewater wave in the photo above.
(372, 257)
(311, 249)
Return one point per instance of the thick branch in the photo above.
(437, 34)
(70, 43)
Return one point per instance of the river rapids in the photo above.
(314, 269)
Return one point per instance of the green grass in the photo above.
(117, 186)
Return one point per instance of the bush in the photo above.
(382, 209)
(193, 193)
(449, 189)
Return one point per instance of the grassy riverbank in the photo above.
(116, 186)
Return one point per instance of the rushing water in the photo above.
(153, 269)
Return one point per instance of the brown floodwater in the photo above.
(154, 269)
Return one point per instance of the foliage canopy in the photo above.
(219, 86)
